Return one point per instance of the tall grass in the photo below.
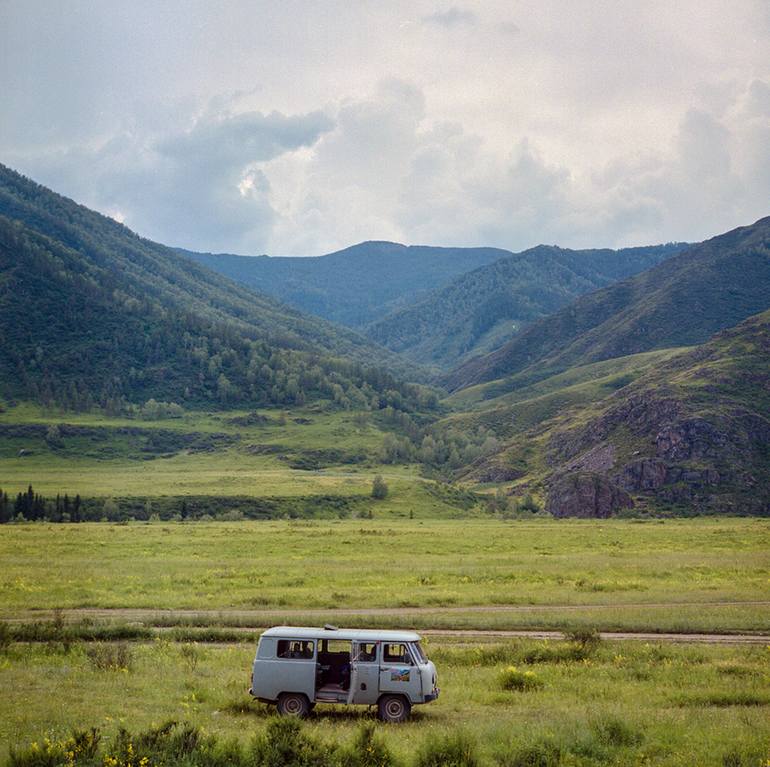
(285, 743)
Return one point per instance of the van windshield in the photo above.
(419, 653)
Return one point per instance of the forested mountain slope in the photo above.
(354, 286)
(92, 313)
(680, 302)
(483, 308)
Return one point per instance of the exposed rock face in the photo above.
(652, 474)
(640, 414)
(691, 439)
(645, 474)
(586, 495)
(597, 460)
(497, 473)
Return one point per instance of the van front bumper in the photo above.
(432, 695)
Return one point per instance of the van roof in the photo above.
(372, 635)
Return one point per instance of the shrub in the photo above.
(587, 638)
(529, 504)
(167, 744)
(116, 656)
(190, 655)
(562, 652)
(512, 678)
(742, 758)
(726, 699)
(368, 750)
(544, 753)
(284, 744)
(456, 750)
(611, 731)
(379, 488)
(82, 746)
(5, 636)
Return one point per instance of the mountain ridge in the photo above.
(484, 307)
(682, 301)
(355, 285)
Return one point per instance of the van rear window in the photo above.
(295, 649)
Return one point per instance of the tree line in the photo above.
(33, 506)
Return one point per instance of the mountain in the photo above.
(690, 434)
(92, 313)
(355, 286)
(680, 302)
(481, 309)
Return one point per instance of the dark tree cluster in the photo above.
(32, 506)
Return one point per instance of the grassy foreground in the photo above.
(610, 703)
(614, 703)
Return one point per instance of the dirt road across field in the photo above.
(230, 615)
(472, 634)
(250, 620)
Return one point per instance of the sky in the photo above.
(298, 128)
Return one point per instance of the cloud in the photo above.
(200, 187)
(451, 17)
(294, 128)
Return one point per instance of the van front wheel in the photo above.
(293, 704)
(393, 708)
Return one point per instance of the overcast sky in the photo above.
(294, 127)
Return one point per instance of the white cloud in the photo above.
(301, 128)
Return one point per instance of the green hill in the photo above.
(90, 313)
(690, 433)
(354, 286)
(483, 308)
(680, 302)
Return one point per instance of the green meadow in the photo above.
(390, 563)
(609, 704)
(199, 453)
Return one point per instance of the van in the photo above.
(295, 668)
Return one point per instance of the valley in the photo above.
(548, 460)
(384, 384)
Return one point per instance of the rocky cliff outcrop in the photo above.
(586, 495)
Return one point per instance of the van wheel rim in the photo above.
(394, 708)
(292, 706)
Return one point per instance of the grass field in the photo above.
(273, 454)
(621, 703)
(387, 564)
(199, 454)
(618, 703)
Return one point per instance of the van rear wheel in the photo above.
(293, 704)
(393, 708)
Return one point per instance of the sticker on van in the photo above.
(399, 674)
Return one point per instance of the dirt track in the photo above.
(148, 614)
(759, 639)
(259, 618)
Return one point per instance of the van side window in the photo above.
(295, 649)
(395, 653)
(367, 652)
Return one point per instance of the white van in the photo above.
(295, 668)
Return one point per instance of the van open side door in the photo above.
(364, 672)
